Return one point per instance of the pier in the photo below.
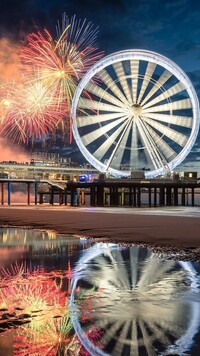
(133, 194)
(100, 193)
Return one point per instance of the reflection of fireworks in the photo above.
(40, 296)
(36, 293)
(50, 330)
(53, 339)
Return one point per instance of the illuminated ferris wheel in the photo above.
(135, 110)
(134, 302)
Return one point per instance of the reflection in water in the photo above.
(136, 300)
(34, 317)
(62, 296)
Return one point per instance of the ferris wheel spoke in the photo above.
(158, 332)
(95, 134)
(155, 149)
(121, 270)
(127, 127)
(119, 345)
(96, 105)
(146, 80)
(147, 342)
(177, 88)
(110, 83)
(149, 152)
(172, 134)
(152, 272)
(119, 70)
(134, 66)
(159, 83)
(104, 95)
(163, 146)
(175, 105)
(134, 339)
(134, 159)
(134, 254)
(110, 333)
(184, 121)
(87, 120)
(118, 156)
(101, 151)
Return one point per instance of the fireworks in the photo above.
(51, 69)
(34, 112)
(6, 100)
(62, 62)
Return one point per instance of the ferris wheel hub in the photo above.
(136, 110)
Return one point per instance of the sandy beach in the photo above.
(173, 229)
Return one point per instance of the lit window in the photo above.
(190, 175)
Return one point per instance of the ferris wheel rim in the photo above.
(148, 56)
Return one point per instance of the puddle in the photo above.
(65, 296)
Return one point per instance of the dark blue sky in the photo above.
(171, 28)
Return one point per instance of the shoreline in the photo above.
(173, 230)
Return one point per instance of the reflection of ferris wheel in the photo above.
(137, 300)
(135, 109)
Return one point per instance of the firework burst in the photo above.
(6, 100)
(61, 63)
(33, 111)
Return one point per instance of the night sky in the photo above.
(171, 28)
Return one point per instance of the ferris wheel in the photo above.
(135, 110)
(133, 302)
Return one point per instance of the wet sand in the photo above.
(170, 228)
